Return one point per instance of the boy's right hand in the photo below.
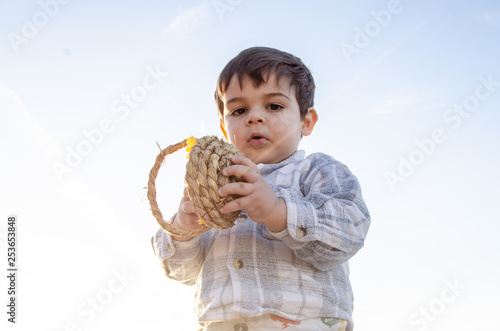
(186, 219)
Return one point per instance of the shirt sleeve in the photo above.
(328, 225)
(180, 260)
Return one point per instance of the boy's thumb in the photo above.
(188, 207)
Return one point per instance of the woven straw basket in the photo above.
(207, 158)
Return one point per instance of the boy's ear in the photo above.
(223, 130)
(309, 121)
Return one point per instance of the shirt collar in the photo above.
(266, 169)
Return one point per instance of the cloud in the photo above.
(367, 68)
(187, 20)
(394, 105)
(31, 185)
(22, 129)
(492, 19)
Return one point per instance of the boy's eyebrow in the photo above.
(274, 94)
(236, 99)
(277, 94)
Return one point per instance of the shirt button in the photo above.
(238, 264)
(242, 219)
(169, 248)
(301, 232)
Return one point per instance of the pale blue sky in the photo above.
(432, 226)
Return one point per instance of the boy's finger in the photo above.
(237, 159)
(240, 188)
(237, 204)
(249, 175)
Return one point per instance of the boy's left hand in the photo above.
(257, 197)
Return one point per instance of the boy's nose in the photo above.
(255, 116)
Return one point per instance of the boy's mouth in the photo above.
(257, 139)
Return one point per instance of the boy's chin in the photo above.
(264, 155)
(259, 158)
(254, 156)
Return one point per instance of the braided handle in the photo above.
(169, 227)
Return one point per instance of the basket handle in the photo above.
(169, 227)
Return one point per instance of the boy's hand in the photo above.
(257, 197)
(186, 218)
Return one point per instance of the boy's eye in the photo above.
(274, 106)
(238, 111)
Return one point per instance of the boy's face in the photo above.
(264, 122)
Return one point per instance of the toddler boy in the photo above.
(286, 265)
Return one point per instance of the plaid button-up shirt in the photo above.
(299, 273)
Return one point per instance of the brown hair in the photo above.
(258, 63)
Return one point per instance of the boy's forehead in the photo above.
(270, 80)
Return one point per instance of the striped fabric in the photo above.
(299, 273)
